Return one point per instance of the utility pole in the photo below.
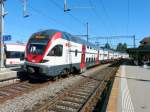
(87, 31)
(134, 41)
(1, 33)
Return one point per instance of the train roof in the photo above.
(15, 47)
(66, 36)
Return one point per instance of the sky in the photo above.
(106, 18)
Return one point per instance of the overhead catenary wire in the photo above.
(72, 16)
(47, 17)
(128, 15)
(98, 16)
(106, 13)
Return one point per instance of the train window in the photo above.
(36, 48)
(76, 52)
(14, 54)
(86, 59)
(56, 51)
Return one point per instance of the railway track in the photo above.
(82, 96)
(8, 81)
(17, 89)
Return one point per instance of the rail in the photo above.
(82, 96)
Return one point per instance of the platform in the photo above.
(131, 90)
(10, 72)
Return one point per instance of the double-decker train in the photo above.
(50, 53)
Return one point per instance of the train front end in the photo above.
(36, 64)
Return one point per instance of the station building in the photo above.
(141, 55)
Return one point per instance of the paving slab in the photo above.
(133, 92)
(10, 72)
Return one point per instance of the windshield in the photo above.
(36, 48)
(37, 43)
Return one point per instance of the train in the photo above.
(50, 53)
(14, 54)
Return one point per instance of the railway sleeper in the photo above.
(25, 86)
(87, 87)
(90, 85)
(80, 93)
(56, 109)
(78, 96)
(75, 98)
(68, 102)
(4, 93)
(68, 105)
(84, 91)
(72, 100)
(19, 88)
(13, 90)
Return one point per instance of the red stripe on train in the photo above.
(83, 64)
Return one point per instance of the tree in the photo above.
(107, 46)
(121, 47)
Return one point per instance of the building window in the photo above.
(56, 51)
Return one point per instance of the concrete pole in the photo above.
(1, 33)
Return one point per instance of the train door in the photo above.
(83, 64)
(68, 55)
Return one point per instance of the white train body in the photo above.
(52, 52)
(101, 55)
(14, 54)
(111, 55)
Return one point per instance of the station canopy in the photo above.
(144, 49)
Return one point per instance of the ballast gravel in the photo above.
(28, 100)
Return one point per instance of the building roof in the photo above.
(145, 42)
(146, 39)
